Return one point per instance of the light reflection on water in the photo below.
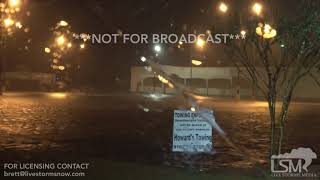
(58, 95)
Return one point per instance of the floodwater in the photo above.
(40, 127)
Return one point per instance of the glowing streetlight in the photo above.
(14, 3)
(193, 109)
(157, 48)
(47, 50)
(266, 31)
(69, 45)
(200, 43)
(243, 32)
(63, 23)
(8, 22)
(18, 25)
(223, 7)
(54, 66)
(267, 28)
(259, 31)
(61, 68)
(257, 8)
(82, 46)
(61, 40)
(143, 59)
(196, 62)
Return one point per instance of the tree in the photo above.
(276, 63)
(63, 43)
(11, 16)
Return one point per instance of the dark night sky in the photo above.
(131, 16)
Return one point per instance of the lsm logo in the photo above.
(294, 164)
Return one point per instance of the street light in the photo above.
(61, 40)
(82, 46)
(223, 7)
(196, 62)
(47, 50)
(266, 31)
(200, 43)
(69, 45)
(257, 8)
(61, 68)
(63, 23)
(143, 59)
(8, 22)
(157, 48)
(193, 109)
(18, 25)
(14, 3)
(243, 32)
(267, 28)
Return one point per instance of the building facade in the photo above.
(211, 81)
(28, 81)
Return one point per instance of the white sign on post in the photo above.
(191, 132)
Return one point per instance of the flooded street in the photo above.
(38, 127)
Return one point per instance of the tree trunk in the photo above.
(272, 111)
(283, 116)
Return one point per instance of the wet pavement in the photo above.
(40, 127)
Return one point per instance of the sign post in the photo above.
(191, 132)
